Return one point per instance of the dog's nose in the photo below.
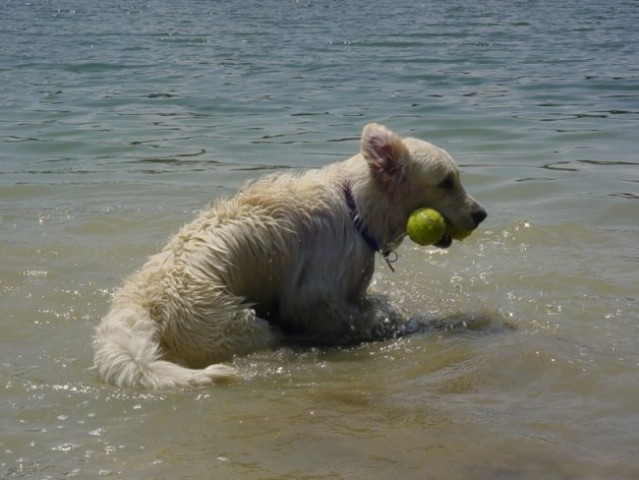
(479, 216)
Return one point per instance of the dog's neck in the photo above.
(358, 223)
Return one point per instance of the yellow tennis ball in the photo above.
(425, 226)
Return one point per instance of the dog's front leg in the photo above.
(372, 318)
(380, 319)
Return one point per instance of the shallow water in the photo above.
(120, 121)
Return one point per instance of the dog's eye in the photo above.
(447, 184)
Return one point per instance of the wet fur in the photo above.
(282, 257)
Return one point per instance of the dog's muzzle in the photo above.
(478, 215)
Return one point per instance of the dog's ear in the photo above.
(383, 150)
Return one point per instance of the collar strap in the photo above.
(356, 219)
(361, 228)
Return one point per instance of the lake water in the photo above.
(120, 120)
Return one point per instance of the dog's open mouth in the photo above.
(445, 241)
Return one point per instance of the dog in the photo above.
(291, 254)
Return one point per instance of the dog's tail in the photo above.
(127, 353)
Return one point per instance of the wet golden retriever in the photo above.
(289, 254)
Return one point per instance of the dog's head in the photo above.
(416, 174)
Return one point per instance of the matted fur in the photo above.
(283, 256)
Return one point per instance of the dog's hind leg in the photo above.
(244, 333)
